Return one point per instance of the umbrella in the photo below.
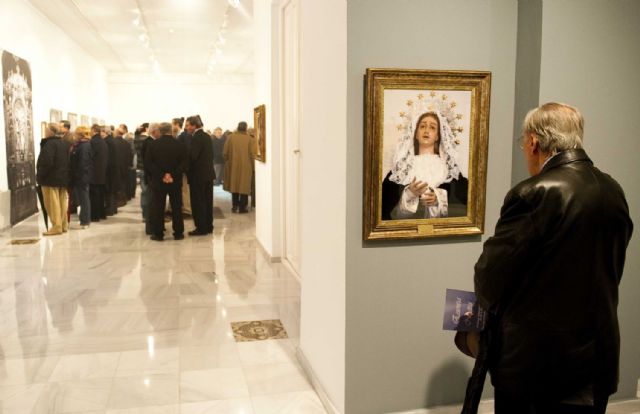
(44, 210)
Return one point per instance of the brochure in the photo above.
(462, 313)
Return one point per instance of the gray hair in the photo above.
(54, 128)
(152, 127)
(165, 128)
(558, 126)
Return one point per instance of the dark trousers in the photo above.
(239, 201)
(82, 199)
(156, 209)
(505, 403)
(131, 184)
(202, 204)
(111, 203)
(96, 194)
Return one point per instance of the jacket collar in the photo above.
(566, 157)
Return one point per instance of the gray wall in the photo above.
(527, 76)
(398, 357)
(591, 59)
(583, 52)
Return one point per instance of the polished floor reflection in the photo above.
(104, 320)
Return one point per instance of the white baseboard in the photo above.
(315, 382)
(272, 259)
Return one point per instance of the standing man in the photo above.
(65, 131)
(113, 182)
(218, 154)
(549, 276)
(239, 153)
(165, 162)
(201, 175)
(53, 176)
(125, 164)
(100, 153)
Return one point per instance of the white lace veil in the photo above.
(403, 158)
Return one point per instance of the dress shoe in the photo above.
(52, 233)
(243, 211)
(156, 238)
(234, 209)
(197, 232)
(178, 236)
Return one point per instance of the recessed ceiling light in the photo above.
(234, 3)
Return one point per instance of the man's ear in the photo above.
(535, 144)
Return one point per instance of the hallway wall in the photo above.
(138, 98)
(64, 76)
(398, 357)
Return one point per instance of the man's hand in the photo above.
(167, 179)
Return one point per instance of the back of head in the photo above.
(95, 129)
(82, 132)
(164, 128)
(53, 129)
(65, 124)
(558, 126)
(179, 122)
(242, 127)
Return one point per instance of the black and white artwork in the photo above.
(55, 116)
(18, 122)
(73, 120)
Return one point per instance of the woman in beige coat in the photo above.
(239, 153)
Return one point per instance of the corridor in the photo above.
(104, 320)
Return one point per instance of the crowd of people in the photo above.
(93, 171)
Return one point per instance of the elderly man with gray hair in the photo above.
(53, 175)
(165, 161)
(549, 276)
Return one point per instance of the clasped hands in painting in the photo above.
(424, 192)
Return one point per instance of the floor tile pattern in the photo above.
(258, 330)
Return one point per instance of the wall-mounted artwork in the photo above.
(55, 116)
(426, 140)
(18, 124)
(73, 120)
(84, 120)
(260, 125)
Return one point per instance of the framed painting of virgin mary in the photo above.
(426, 141)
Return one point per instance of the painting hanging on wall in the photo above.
(55, 116)
(18, 132)
(84, 120)
(426, 140)
(73, 120)
(260, 125)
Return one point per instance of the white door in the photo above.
(290, 121)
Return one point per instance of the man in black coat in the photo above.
(125, 164)
(53, 175)
(113, 182)
(550, 274)
(200, 176)
(165, 161)
(100, 153)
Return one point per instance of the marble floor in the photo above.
(104, 320)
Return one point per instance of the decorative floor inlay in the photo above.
(258, 330)
(24, 241)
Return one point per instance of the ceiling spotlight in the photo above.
(136, 21)
(221, 39)
(234, 3)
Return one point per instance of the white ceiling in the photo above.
(130, 36)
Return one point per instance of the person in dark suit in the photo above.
(165, 161)
(100, 153)
(200, 176)
(125, 162)
(549, 276)
(113, 180)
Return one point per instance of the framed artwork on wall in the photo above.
(55, 116)
(260, 125)
(425, 153)
(73, 120)
(84, 120)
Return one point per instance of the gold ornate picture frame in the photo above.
(421, 184)
(260, 125)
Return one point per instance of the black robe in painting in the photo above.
(457, 191)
